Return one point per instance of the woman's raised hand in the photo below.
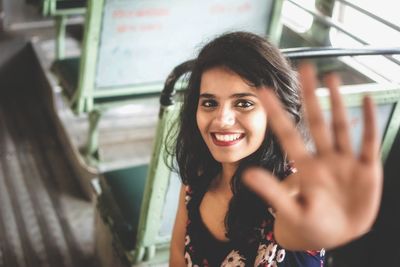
(334, 196)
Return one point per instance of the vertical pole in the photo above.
(274, 30)
(92, 146)
(61, 26)
(391, 132)
(150, 252)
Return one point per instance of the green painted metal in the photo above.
(156, 187)
(141, 90)
(91, 150)
(275, 25)
(46, 7)
(150, 253)
(70, 12)
(150, 246)
(391, 132)
(52, 7)
(88, 63)
(127, 90)
(61, 26)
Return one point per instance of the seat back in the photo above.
(130, 45)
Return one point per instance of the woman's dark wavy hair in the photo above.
(262, 65)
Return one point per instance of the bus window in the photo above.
(295, 18)
(374, 23)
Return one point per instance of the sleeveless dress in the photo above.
(202, 249)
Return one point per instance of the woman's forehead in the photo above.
(221, 80)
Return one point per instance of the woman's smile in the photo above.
(226, 138)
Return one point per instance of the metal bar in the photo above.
(89, 57)
(92, 146)
(61, 29)
(391, 132)
(274, 30)
(318, 52)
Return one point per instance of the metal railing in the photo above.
(328, 21)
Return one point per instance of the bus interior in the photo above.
(89, 90)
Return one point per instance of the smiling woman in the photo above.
(223, 103)
(242, 203)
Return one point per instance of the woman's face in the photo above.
(230, 115)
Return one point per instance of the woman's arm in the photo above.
(176, 256)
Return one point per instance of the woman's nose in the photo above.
(225, 117)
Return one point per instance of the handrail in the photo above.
(317, 52)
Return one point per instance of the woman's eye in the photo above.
(244, 104)
(209, 103)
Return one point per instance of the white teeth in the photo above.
(227, 137)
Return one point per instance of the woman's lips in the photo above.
(226, 139)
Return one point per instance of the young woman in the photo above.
(252, 194)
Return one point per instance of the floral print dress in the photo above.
(202, 249)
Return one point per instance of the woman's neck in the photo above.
(223, 182)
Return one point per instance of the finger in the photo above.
(339, 117)
(269, 189)
(292, 184)
(283, 127)
(313, 113)
(370, 143)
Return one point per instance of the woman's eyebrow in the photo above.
(240, 95)
(206, 95)
(237, 95)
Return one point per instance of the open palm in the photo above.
(335, 194)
